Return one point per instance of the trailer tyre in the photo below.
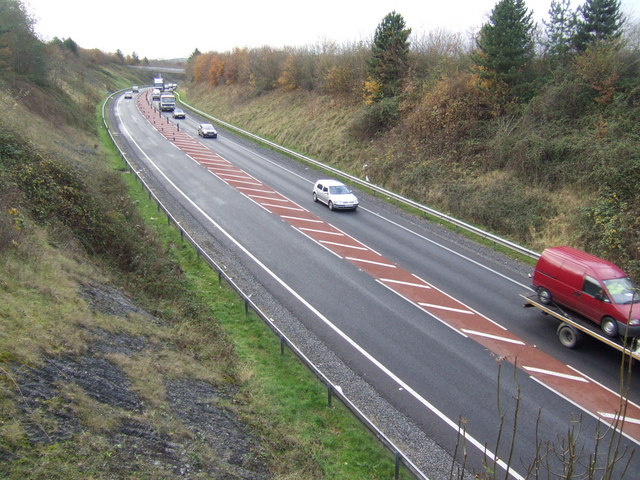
(544, 296)
(609, 327)
(569, 336)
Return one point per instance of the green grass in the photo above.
(285, 401)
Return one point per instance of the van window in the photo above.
(623, 290)
(591, 286)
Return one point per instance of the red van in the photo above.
(590, 286)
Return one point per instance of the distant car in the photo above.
(135, 89)
(178, 113)
(128, 94)
(207, 130)
(336, 195)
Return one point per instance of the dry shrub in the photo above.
(451, 111)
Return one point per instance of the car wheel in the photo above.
(544, 296)
(609, 327)
(330, 205)
(569, 336)
(315, 197)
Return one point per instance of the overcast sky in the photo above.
(162, 29)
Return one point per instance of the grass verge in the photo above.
(284, 401)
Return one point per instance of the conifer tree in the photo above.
(505, 44)
(389, 60)
(600, 20)
(560, 30)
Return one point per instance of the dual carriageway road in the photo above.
(427, 321)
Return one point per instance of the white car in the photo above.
(336, 195)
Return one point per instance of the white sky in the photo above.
(162, 29)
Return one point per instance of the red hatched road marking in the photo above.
(584, 392)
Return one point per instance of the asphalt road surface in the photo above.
(433, 323)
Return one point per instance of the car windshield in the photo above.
(622, 290)
(207, 127)
(339, 190)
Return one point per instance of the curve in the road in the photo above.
(592, 397)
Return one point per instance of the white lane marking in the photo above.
(613, 416)
(594, 381)
(300, 219)
(231, 175)
(307, 229)
(297, 209)
(588, 412)
(269, 198)
(355, 247)
(227, 169)
(452, 424)
(372, 262)
(408, 284)
(442, 307)
(240, 187)
(237, 181)
(494, 337)
(556, 374)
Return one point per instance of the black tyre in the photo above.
(609, 326)
(569, 336)
(315, 197)
(330, 205)
(544, 296)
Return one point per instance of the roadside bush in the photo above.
(501, 204)
(375, 118)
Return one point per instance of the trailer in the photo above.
(572, 329)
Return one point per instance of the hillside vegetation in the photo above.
(121, 354)
(546, 157)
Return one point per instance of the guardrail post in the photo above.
(282, 344)
(329, 395)
(246, 307)
(396, 475)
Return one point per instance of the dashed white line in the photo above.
(356, 247)
(613, 416)
(328, 232)
(494, 337)
(297, 209)
(442, 307)
(371, 262)
(300, 219)
(286, 200)
(400, 282)
(556, 374)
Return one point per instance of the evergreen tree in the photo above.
(505, 44)
(389, 60)
(600, 20)
(560, 30)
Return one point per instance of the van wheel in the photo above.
(609, 327)
(569, 336)
(330, 205)
(315, 197)
(544, 296)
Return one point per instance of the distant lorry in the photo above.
(155, 94)
(589, 286)
(158, 83)
(167, 102)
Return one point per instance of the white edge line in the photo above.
(599, 419)
(481, 447)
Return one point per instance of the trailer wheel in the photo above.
(544, 296)
(569, 336)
